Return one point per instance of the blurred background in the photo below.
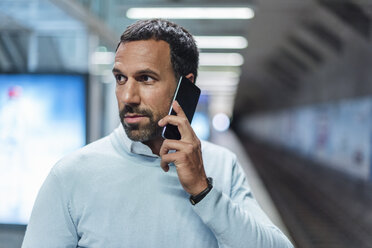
(286, 84)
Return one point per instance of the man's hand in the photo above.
(187, 158)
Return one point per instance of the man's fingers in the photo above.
(164, 166)
(170, 144)
(181, 123)
(167, 146)
(165, 160)
(177, 108)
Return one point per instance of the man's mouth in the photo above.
(133, 118)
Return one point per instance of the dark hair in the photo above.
(183, 50)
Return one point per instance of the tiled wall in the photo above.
(338, 134)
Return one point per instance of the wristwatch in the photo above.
(197, 198)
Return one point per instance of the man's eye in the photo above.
(120, 79)
(145, 78)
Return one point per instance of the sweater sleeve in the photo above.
(237, 220)
(50, 225)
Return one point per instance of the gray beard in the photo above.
(144, 133)
(139, 133)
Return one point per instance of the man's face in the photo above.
(145, 84)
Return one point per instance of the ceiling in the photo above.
(289, 41)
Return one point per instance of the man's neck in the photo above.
(155, 145)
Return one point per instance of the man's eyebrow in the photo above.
(147, 71)
(140, 72)
(115, 70)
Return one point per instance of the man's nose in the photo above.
(130, 93)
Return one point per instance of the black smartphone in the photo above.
(187, 95)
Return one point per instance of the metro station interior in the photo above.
(285, 84)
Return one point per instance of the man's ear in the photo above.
(190, 77)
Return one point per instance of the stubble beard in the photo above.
(142, 133)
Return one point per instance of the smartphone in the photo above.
(187, 95)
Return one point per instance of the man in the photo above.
(112, 193)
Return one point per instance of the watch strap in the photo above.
(197, 198)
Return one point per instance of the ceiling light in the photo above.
(221, 42)
(220, 59)
(190, 13)
(216, 79)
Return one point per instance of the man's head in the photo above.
(150, 58)
(183, 50)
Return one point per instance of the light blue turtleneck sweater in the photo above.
(113, 193)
